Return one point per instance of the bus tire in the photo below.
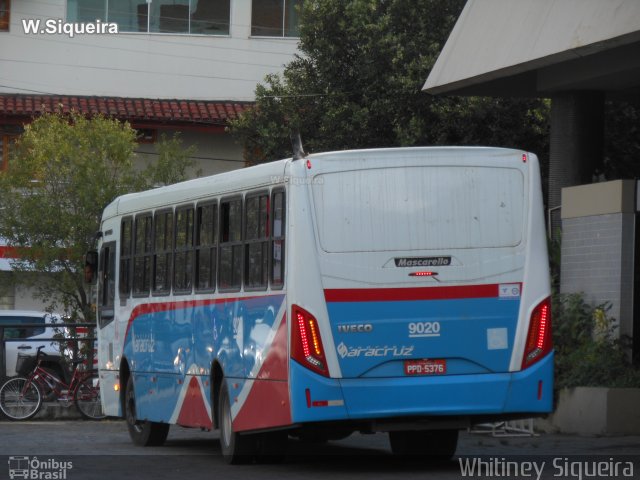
(236, 448)
(142, 432)
(431, 445)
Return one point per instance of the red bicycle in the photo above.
(22, 397)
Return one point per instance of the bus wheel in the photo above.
(432, 445)
(236, 448)
(143, 433)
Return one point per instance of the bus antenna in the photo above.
(296, 143)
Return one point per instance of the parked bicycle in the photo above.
(22, 397)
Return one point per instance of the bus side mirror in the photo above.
(90, 267)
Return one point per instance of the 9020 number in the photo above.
(424, 329)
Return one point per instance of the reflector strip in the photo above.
(539, 389)
(417, 293)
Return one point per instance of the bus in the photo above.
(400, 290)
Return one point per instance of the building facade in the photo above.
(164, 66)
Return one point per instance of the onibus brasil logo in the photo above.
(36, 469)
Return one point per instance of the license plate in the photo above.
(425, 367)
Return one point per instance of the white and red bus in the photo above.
(395, 290)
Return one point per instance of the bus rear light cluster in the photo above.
(539, 341)
(306, 343)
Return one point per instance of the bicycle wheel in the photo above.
(87, 398)
(20, 399)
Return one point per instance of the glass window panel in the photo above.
(86, 10)
(125, 256)
(266, 18)
(130, 15)
(231, 221)
(291, 18)
(169, 16)
(183, 259)
(163, 239)
(210, 17)
(275, 18)
(142, 255)
(278, 244)
(5, 9)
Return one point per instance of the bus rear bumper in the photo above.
(529, 391)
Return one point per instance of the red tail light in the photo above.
(539, 337)
(306, 344)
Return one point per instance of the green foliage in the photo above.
(588, 354)
(358, 84)
(64, 171)
(173, 162)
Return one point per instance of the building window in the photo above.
(257, 241)
(230, 245)
(142, 255)
(183, 253)
(163, 251)
(205, 17)
(146, 135)
(275, 18)
(206, 246)
(5, 9)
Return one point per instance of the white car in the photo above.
(24, 340)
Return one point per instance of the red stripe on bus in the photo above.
(407, 294)
(8, 252)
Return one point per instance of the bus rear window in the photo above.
(419, 208)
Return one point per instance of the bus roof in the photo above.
(268, 174)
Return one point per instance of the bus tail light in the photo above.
(306, 344)
(539, 341)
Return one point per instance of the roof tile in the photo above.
(178, 111)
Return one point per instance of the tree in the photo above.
(358, 84)
(64, 171)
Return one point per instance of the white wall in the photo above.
(215, 152)
(137, 64)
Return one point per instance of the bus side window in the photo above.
(106, 283)
(183, 253)
(163, 251)
(278, 229)
(125, 257)
(230, 274)
(257, 241)
(142, 255)
(206, 246)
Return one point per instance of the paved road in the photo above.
(102, 450)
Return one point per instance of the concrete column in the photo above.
(598, 230)
(576, 139)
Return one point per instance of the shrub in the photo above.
(588, 353)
